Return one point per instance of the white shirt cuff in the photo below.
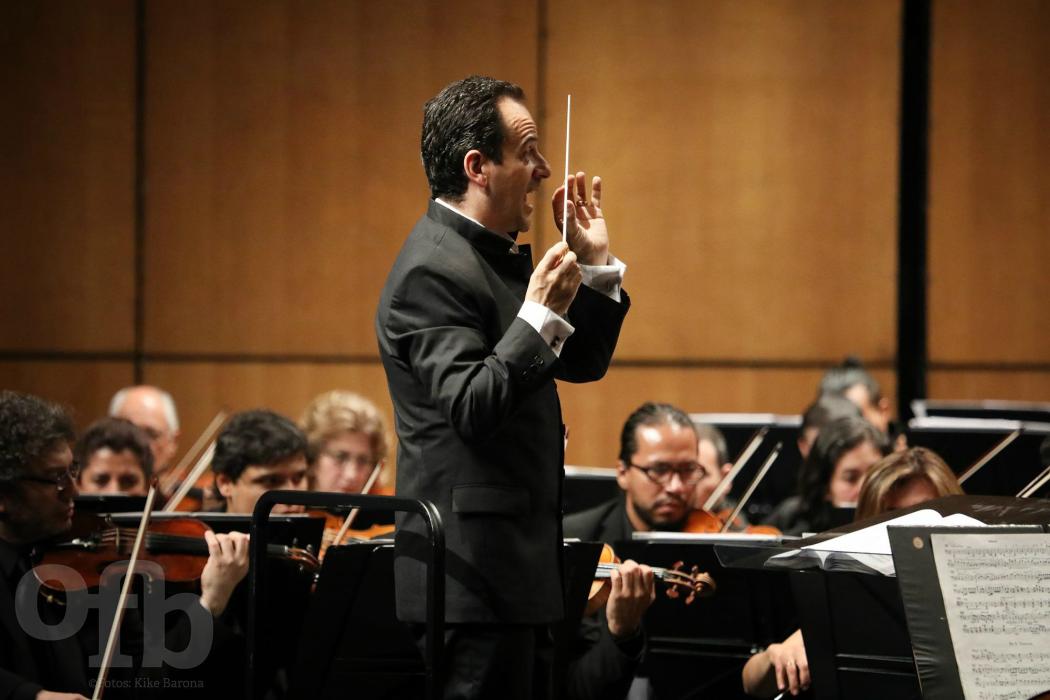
(554, 329)
(605, 279)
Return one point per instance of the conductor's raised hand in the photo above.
(587, 234)
(556, 279)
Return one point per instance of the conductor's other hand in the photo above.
(555, 280)
(586, 232)
(633, 591)
(227, 565)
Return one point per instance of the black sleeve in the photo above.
(601, 668)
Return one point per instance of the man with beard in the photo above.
(657, 470)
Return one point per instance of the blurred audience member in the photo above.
(346, 437)
(115, 458)
(153, 410)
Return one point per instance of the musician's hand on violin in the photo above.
(48, 695)
(227, 566)
(790, 664)
(633, 591)
(587, 234)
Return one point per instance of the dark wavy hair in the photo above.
(258, 437)
(463, 116)
(836, 439)
(118, 434)
(30, 428)
(650, 413)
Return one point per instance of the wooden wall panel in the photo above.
(284, 159)
(595, 413)
(977, 385)
(989, 225)
(749, 150)
(203, 389)
(85, 387)
(66, 185)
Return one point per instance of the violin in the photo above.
(695, 582)
(176, 544)
(702, 520)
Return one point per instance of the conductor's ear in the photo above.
(474, 167)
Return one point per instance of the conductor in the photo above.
(472, 338)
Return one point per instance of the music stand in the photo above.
(700, 649)
(782, 479)
(963, 441)
(435, 584)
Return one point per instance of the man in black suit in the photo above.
(472, 338)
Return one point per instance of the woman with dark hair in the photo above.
(831, 476)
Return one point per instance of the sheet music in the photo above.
(996, 591)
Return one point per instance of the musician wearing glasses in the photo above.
(659, 472)
(658, 469)
(37, 486)
(346, 439)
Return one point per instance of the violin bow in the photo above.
(202, 464)
(129, 576)
(353, 513)
(1035, 484)
(170, 479)
(990, 455)
(752, 486)
(746, 455)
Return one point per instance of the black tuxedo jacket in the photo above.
(478, 418)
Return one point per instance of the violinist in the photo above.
(258, 451)
(115, 458)
(658, 472)
(830, 478)
(346, 438)
(850, 380)
(37, 476)
(153, 410)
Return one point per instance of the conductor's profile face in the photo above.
(522, 170)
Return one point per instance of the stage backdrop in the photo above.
(217, 190)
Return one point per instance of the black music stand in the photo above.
(586, 487)
(924, 605)
(1001, 410)
(782, 479)
(356, 572)
(699, 650)
(963, 441)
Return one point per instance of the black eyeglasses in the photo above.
(660, 473)
(60, 480)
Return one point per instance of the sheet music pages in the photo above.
(996, 591)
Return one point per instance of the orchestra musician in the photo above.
(472, 336)
(661, 477)
(258, 451)
(346, 438)
(900, 480)
(114, 457)
(153, 410)
(830, 477)
(37, 487)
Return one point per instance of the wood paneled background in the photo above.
(748, 147)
